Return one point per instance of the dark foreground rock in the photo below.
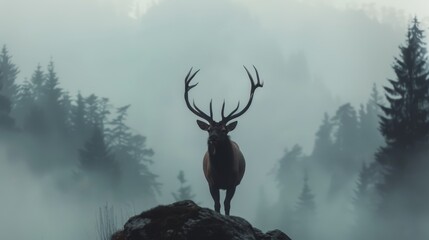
(187, 221)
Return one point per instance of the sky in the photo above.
(312, 55)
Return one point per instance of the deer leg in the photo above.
(227, 203)
(216, 198)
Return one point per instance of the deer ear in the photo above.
(231, 126)
(204, 126)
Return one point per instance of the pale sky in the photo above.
(312, 55)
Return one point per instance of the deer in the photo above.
(223, 163)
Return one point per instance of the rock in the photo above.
(185, 220)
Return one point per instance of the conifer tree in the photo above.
(306, 204)
(365, 203)
(133, 156)
(52, 101)
(405, 127)
(369, 135)
(406, 117)
(97, 159)
(30, 113)
(10, 72)
(96, 111)
(24, 101)
(38, 81)
(346, 156)
(67, 108)
(305, 212)
(323, 145)
(79, 124)
(185, 191)
(120, 132)
(405, 124)
(287, 170)
(6, 121)
(364, 192)
(346, 132)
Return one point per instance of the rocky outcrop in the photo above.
(185, 220)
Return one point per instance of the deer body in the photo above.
(224, 169)
(223, 163)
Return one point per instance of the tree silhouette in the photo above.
(6, 121)
(305, 211)
(9, 71)
(97, 159)
(287, 171)
(346, 154)
(185, 191)
(405, 121)
(78, 115)
(306, 204)
(405, 127)
(323, 145)
(51, 102)
(346, 134)
(133, 157)
(370, 138)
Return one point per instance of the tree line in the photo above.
(51, 130)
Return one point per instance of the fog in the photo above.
(313, 56)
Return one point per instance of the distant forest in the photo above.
(373, 159)
(375, 156)
(83, 138)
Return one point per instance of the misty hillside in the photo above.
(94, 128)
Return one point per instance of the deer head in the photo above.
(218, 131)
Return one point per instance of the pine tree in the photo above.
(405, 127)
(38, 81)
(185, 191)
(305, 212)
(97, 159)
(52, 102)
(79, 124)
(306, 204)
(133, 156)
(323, 145)
(346, 123)
(289, 166)
(363, 199)
(6, 121)
(10, 72)
(120, 132)
(346, 156)
(67, 108)
(370, 137)
(406, 118)
(365, 202)
(30, 114)
(104, 110)
(97, 110)
(134, 159)
(25, 100)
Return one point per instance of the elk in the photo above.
(223, 163)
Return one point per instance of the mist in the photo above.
(313, 56)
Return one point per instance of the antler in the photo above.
(195, 109)
(254, 86)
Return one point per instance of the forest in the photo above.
(365, 178)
